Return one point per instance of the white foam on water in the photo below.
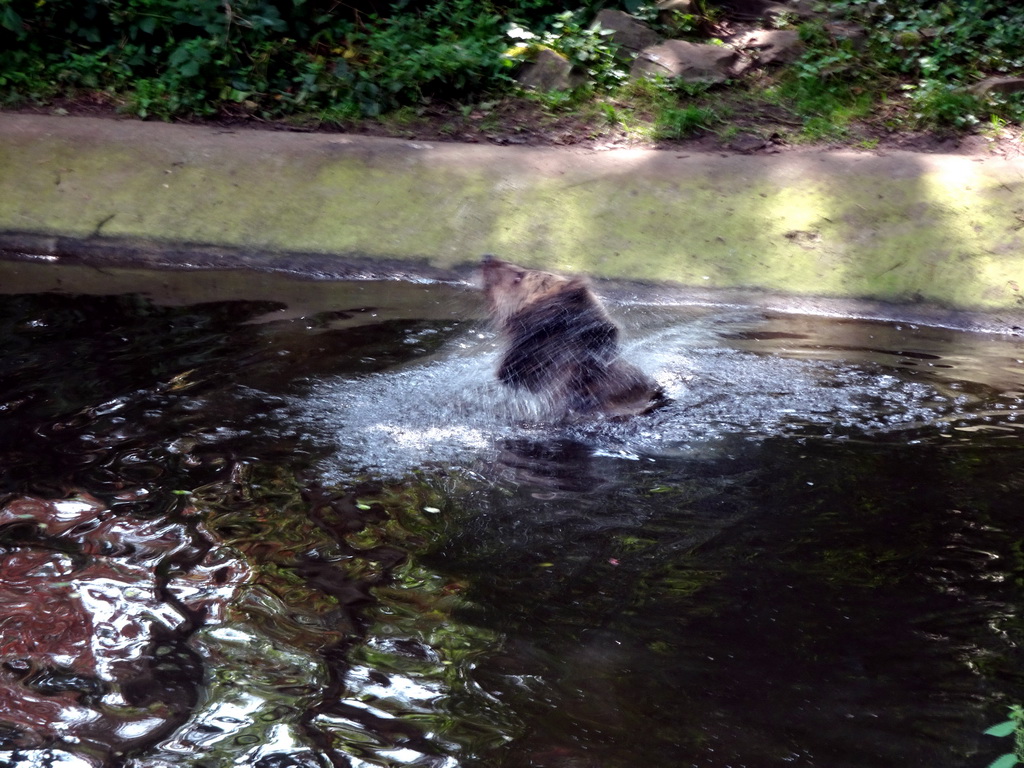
(450, 411)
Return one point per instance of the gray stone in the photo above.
(667, 9)
(765, 9)
(549, 71)
(747, 9)
(627, 32)
(683, 6)
(689, 62)
(847, 31)
(747, 143)
(802, 7)
(769, 46)
(1002, 85)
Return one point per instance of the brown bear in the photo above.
(560, 342)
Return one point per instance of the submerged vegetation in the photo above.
(864, 68)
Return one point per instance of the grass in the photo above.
(683, 122)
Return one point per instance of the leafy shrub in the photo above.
(937, 103)
(269, 57)
(587, 47)
(1013, 727)
(178, 53)
(336, 60)
(829, 85)
(942, 48)
(451, 47)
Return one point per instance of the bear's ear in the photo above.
(575, 292)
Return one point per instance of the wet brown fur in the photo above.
(560, 341)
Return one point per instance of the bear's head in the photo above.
(560, 342)
(510, 288)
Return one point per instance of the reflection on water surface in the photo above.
(307, 529)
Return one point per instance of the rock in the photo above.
(1002, 85)
(667, 9)
(748, 9)
(747, 143)
(765, 9)
(802, 7)
(682, 6)
(847, 31)
(627, 32)
(770, 46)
(777, 12)
(549, 71)
(690, 62)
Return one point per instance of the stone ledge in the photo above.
(940, 229)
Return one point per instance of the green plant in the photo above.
(560, 101)
(829, 86)
(331, 62)
(784, 20)
(939, 49)
(150, 98)
(1014, 726)
(265, 57)
(958, 39)
(678, 123)
(728, 133)
(935, 103)
(702, 20)
(823, 128)
(1007, 107)
(649, 93)
(611, 113)
(588, 48)
(451, 47)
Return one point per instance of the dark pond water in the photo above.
(260, 522)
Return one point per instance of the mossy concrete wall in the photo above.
(891, 226)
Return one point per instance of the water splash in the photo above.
(449, 411)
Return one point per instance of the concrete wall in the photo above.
(943, 229)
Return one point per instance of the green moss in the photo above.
(943, 229)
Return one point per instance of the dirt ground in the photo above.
(513, 121)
